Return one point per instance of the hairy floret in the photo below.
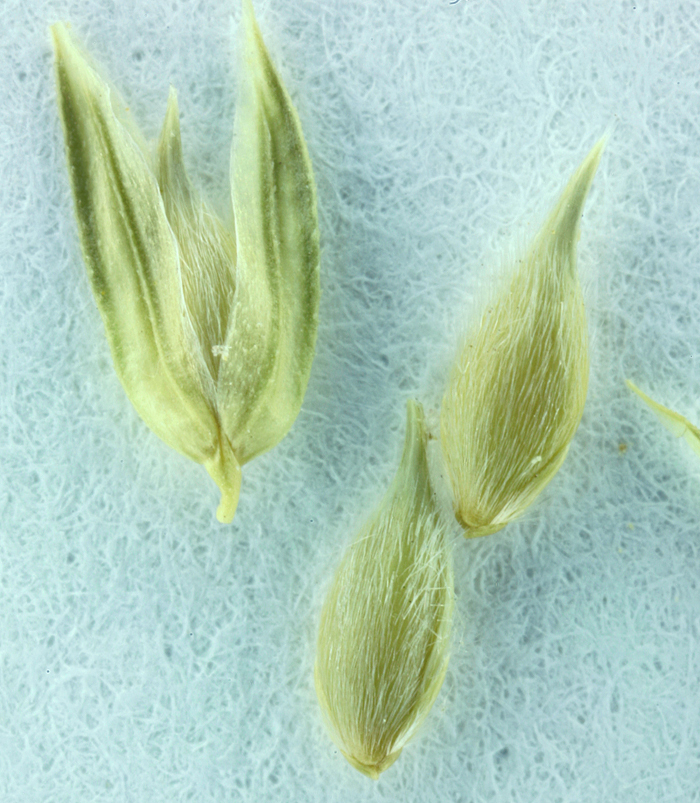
(383, 644)
(517, 390)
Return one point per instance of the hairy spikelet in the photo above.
(383, 643)
(673, 421)
(516, 393)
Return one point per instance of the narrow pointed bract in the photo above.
(673, 421)
(517, 390)
(384, 638)
(275, 314)
(195, 334)
(133, 262)
(207, 246)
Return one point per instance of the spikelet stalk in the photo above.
(673, 421)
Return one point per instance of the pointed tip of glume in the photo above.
(250, 36)
(249, 20)
(61, 39)
(591, 162)
(563, 222)
(58, 31)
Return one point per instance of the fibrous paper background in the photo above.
(148, 653)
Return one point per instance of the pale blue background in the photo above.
(148, 653)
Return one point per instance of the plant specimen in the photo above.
(518, 387)
(384, 638)
(679, 426)
(211, 327)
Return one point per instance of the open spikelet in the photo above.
(212, 327)
(517, 390)
(383, 643)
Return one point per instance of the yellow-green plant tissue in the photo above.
(384, 637)
(212, 327)
(673, 421)
(517, 390)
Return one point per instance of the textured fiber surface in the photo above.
(148, 653)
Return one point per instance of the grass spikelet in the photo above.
(383, 643)
(673, 421)
(517, 390)
(212, 326)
